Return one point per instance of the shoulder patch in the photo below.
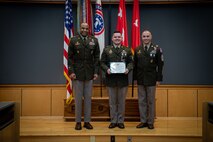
(161, 50)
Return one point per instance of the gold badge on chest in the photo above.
(110, 51)
(77, 43)
(139, 52)
(92, 42)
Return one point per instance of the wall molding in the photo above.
(48, 99)
(112, 1)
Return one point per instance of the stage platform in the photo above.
(56, 129)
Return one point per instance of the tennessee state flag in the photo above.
(135, 26)
(99, 30)
(122, 22)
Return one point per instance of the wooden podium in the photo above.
(100, 110)
(9, 122)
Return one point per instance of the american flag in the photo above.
(68, 32)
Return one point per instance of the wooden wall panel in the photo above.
(11, 94)
(161, 103)
(204, 95)
(98, 93)
(182, 103)
(57, 105)
(36, 102)
(47, 100)
(135, 92)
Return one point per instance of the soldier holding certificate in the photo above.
(116, 62)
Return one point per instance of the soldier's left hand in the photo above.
(95, 76)
(157, 83)
(127, 71)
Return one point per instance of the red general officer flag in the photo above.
(122, 22)
(135, 26)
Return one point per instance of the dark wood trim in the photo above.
(96, 85)
(101, 110)
(110, 1)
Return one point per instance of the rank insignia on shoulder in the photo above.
(139, 52)
(124, 52)
(161, 51)
(156, 46)
(91, 43)
(77, 43)
(162, 59)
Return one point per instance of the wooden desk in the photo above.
(100, 109)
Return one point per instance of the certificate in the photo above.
(117, 67)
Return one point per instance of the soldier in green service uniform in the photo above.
(117, 78)
(148, 61)
(83, 62)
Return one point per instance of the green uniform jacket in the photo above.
(111, 54)
(148, 65)
(83, 57)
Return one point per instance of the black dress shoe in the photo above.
(87, 125)
(121, 125)
(142, 125)
(150, 126)
(78, 126)
(112, 125)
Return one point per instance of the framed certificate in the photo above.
(117, 67)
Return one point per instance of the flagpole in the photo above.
(101, 80)
(132, 83)
(99, 32)
(135, 33)
(68, 32)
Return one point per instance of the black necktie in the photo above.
(116, 47)
(84, 40)
(146, 48)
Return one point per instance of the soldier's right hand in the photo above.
(108, 71)
(73, 76)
